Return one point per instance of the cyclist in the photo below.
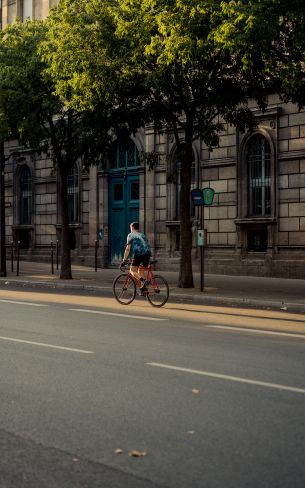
(138, 246)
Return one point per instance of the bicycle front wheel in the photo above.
(124, 289)
(158, 291)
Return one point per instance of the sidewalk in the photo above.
(247, 291)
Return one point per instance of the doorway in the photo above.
(124, 197)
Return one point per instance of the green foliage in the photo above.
(31, 108)
(269, 38)
(16, 43)
(27, 101)
(81, 54)
(156, 60)
(188, 75)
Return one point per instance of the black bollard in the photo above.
(18, 256)
(57, 253)
(52, 258)
(12, 256)
(95, 255)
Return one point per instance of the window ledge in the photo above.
(23, 226)
(71, 226)
(172, 223)
(256, 220)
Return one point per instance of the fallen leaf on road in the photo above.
(136, 453)
(118, 451)
(195, 392)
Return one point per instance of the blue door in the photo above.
(124, 196)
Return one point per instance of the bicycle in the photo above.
(125, 286)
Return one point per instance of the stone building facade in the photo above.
(256, 223)
(23, 9)
(255, 226)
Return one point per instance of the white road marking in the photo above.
(257, 331)
(24, 303)
(141, 317)
(41, 344)
(229, 378)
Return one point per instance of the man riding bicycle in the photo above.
(138, 246)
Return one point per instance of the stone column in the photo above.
(102, 216)
(149, 182)
(93, 206)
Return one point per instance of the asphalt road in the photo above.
(203, 399)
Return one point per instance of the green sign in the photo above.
(208, 195)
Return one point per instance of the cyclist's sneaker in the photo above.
(143, 284)
(143, 291)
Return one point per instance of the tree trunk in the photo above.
(65, 271)
(186, 272)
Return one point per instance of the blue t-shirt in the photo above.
(139, 244)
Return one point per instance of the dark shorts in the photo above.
(143, 259)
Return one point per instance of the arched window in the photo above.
(259, 177)
(25, 196)
(73, 195)
(124, 154)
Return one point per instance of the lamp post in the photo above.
(2, 213)
(198, 201)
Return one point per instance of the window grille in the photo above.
(257, 240)
(124, 155)
(25, 196)
(259, 177)
(73, 195)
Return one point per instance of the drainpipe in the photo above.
(2, 213)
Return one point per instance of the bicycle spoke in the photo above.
(158, 291)
(124, 289)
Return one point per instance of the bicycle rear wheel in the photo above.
(158, 291)
(124, 289)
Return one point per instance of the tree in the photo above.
(42, 119)
(163, 59)
(269, 37)
(84, 60)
